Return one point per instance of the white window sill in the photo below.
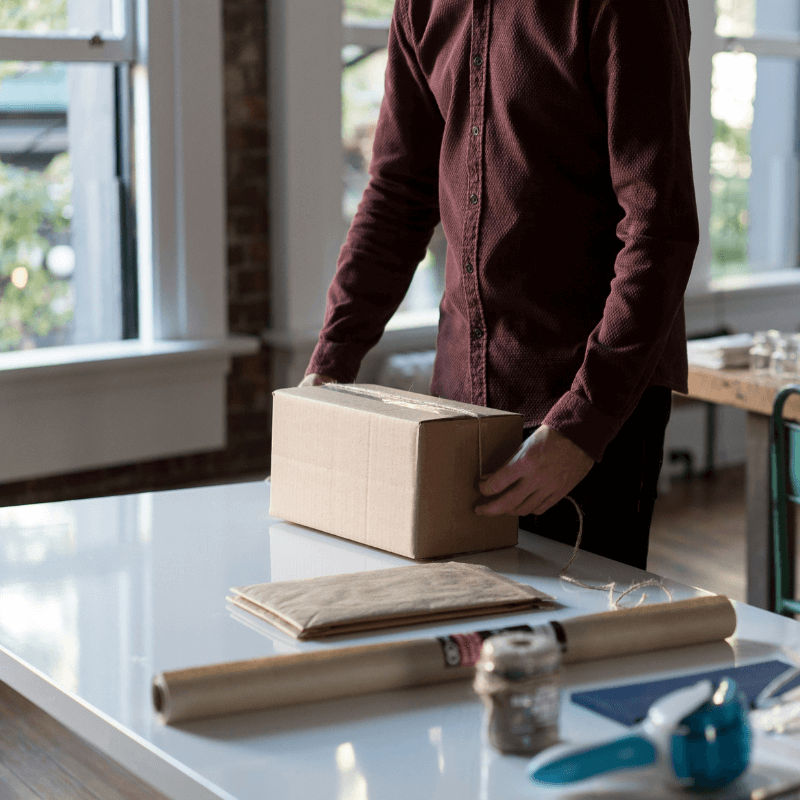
(736, 301)
(110, 356)
(756, 283)
(68, 409)
(423, 324)
(428, 317)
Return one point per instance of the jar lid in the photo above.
(519, 655)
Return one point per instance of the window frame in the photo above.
(706, 43)
(163, 394)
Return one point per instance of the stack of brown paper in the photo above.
(363, 601)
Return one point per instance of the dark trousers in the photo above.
(618, 494)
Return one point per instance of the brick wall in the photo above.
(247, 453)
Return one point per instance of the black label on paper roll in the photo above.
(464, 649)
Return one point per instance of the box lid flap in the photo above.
(410, 406)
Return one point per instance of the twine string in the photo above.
(610, 587)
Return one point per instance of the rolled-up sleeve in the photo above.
(395, 218)
(639, 67)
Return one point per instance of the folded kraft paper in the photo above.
(391, 469)
(361, 601)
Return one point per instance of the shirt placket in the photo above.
(472, 266)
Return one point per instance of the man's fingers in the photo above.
(506, 503)
(537, 504)
(500, 481)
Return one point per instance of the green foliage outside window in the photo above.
(34, 303)
(35, 206)
(368, 9)
(729, 228)
(36, 16)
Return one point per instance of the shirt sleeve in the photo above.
(639, 67)
(395, 218)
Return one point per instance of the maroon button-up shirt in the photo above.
(552, 139)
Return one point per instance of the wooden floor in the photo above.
(697, 538)
(42, 760)
(698, 533)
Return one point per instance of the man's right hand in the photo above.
(315, 379)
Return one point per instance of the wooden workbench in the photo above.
(755, 394)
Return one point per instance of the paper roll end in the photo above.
(160, 697)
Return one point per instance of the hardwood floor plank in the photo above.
(12, 788)
(35, 768)
(698, 533)
(47, 757)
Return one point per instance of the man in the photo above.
(552, 139)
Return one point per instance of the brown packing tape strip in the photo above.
(260, 684)
(436, 405)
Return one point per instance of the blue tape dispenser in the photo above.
(698, 736)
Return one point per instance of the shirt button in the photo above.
(475, 130)
(468, 267)
(473, 198)
(477, 333)
(477, 61)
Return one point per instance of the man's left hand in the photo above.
(545, 469)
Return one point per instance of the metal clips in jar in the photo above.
(517, 679)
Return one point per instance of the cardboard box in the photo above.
(391, 469)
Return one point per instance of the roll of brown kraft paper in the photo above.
(658, 626)
(259, 684)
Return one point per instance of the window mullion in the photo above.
(703, 16)
(374, 36)
(761, 46)
(79, 48)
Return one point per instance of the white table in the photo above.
(98, 595)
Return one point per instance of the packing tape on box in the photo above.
(436, 406)
(259, 684)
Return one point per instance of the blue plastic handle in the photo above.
(626, 753)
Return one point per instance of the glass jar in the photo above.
(761, 353)
(517, 679)
(784, 360)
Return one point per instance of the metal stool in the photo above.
(785, 486)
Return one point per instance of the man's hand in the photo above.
(315, 379)
(546, 468)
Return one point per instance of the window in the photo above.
(67, 273)
(123, 133)
(366, 31)
(755, 212)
